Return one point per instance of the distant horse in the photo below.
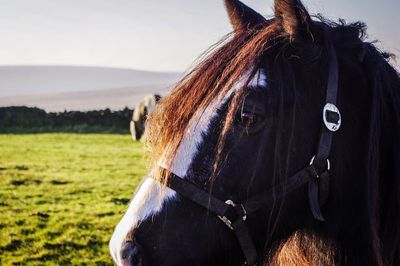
(281, 148)
(140, 114)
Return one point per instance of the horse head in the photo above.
(285, 139)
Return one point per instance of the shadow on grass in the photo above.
(21, 167)
(59, 182)
(104, 214)
(14, 245)
(120, 201)
(25, 182)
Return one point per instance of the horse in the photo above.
(281, 147)
(140, 114)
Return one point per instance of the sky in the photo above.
(156, 35)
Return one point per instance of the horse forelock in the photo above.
(202, 90)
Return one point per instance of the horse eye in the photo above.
(249, 119)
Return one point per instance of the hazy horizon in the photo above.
(34, 80)
(80, 88)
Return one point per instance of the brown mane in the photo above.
(223, 65)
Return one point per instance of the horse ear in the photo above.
(242, 17)
(292, 16)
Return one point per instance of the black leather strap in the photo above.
(245, 241)
(265, 199)
(236, 214)
(190, 191)
(325, 142)
(199, 196)
(233, 214)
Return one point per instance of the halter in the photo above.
(316, 175)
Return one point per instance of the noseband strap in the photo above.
(235, 215)
(316, 175)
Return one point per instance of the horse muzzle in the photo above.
(131, 254)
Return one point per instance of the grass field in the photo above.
(62, 194)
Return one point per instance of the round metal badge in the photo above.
(332, 117)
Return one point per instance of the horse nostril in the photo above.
(130, 254)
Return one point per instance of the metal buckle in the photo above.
(328, 165)
(329, 107)
(226, 220)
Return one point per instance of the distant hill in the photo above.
(114, 99)
(59, 88)
(30, 80)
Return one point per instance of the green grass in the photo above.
(62, 194)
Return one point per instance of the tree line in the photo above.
(24, 119)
